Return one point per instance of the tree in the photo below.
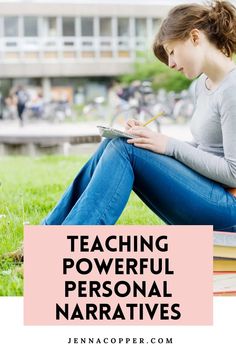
(147, 67)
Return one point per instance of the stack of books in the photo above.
(224, 263)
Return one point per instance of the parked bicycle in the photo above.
(178, 106)
(137, 102)
(96, 109)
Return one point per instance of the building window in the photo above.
(87, 27)
(105, 27)
(123, 27)
(156, 22)
(68, 27)
(50, 28)
(30, 26)
(11, 26)
(140, 27)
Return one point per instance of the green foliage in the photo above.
(149, 68)
(29, 189)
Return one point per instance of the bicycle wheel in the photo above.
(145, 115)
(120, 118)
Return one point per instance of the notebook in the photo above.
(111, 133)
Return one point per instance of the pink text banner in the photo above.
(118, 275)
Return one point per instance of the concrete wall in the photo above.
(14, 65)
(67, 9)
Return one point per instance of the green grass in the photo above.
(29, 188)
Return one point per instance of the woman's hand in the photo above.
(148, 139)
(132, 123)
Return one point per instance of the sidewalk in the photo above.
(47, 129)
(10, 131)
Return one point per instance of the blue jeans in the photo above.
(176, 193)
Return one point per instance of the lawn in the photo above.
(29, 188)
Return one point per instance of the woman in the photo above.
(183, 183)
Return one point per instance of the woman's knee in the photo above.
(121, 147)
(103, 144)
(121, 144)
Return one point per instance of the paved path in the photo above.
(83, 129)
(47, 129)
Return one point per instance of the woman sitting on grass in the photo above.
(183, 183)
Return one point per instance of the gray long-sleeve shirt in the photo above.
(213, 126)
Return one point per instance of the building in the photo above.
(55, 39)
(55, 42)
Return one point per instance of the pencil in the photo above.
(153, 118)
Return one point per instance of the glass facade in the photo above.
(50, 29)
(71, 37)
(105, 27)
(140, 27)
(30, 26)
(11, 26)
(123, 27)
(156, 22)
(87, 26)
(68, 26)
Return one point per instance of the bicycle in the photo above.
(137, 100)
(95, 110)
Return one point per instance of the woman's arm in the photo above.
(220, 169)
(217, 168)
